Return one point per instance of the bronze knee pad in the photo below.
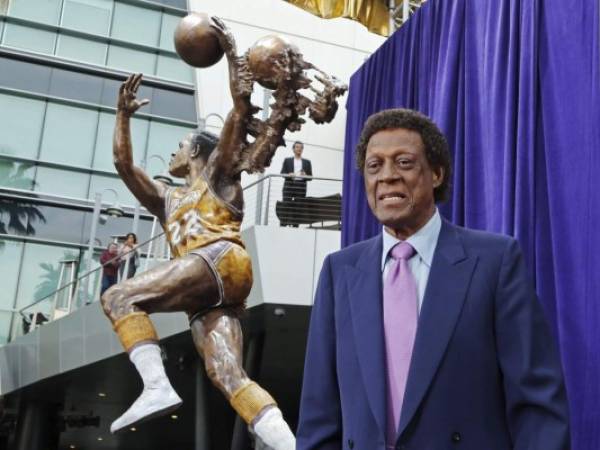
(134, 329)
(249, 400)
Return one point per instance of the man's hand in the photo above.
(128, 102)
(225, 37)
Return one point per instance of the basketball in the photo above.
(196, 41)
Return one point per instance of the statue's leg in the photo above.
(218, 338)
(172, 286)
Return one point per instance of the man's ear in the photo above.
(438, 176)
(196, 149)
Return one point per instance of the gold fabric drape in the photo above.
(373, 14)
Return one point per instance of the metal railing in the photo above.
(264, 205)
(281, 200)
(84, 289)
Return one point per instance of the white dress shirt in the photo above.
(297, 167)
(424, 242)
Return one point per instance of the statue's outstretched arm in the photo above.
(233, 135)
(148, 192)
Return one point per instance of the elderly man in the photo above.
(428, 336)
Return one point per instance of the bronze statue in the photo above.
(210, 275)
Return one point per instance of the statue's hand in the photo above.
(225, 36)
(127, 101)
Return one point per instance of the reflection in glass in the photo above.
(81, 50)
(51, 275)
(129, 20)
(90, 16)
(131, 60)
(23, 117)
(10, 259)
(16, 175)
(62, 224)
(169, 23)
(103, 157)
(163, 140)
(69, 135)
(28, 38)
(34, 282)
(100, 182)
(172, 68)
(47, 11)
(19, 217)
(4, 326)
(61, 182)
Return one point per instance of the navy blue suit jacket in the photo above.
(484, 375)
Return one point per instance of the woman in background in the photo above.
(128, 253)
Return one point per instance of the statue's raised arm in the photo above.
(148, 192)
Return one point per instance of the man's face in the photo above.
(298, 150)
(179, 165)
(112, 249)
(399, 181)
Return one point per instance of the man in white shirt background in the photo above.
(295, 187)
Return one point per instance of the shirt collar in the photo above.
(423, 241)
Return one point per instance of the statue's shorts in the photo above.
(232, 269)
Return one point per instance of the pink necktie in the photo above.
(400, 326)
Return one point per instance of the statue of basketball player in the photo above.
(210, 275)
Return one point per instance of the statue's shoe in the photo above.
(273, 433)
(151, 403)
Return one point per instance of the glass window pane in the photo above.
(10, 259)
(169, 23)
(133, 24)
(103, 157)
(5, 326)
(25, 76)
(131, 60)
(69, 135)
(59, 224)
(28, 38)
(16, 175)
(20, 217)
(46, 11)
(114, 226)
(61, 182)
(22, 119)
(163, 140)
(173, 68)
(100, 182)
(91, 16)
(81, 50)
(40, 271)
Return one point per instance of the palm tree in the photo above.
(50, 279)
(16, 215)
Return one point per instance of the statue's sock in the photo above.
(158, 396)
(148, 362)
(273, 432)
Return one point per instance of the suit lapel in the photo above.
(449, 279)
(365, 296)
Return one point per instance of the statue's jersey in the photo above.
(198, 217)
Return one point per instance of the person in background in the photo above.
(128, 253)
(295, 187)
(109, 266)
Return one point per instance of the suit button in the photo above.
(456, 437)
(350, 443)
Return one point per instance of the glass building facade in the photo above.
(61, 65)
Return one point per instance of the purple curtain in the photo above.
(514, 85)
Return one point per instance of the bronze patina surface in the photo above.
(210, 275)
